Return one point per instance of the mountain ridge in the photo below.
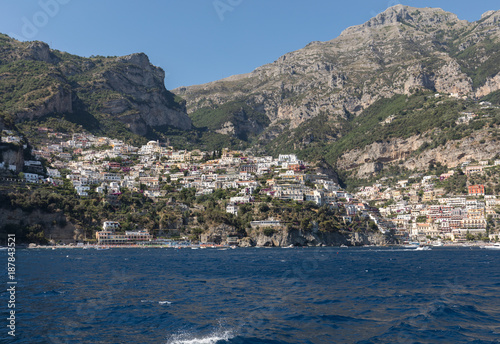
(402, 51)
(36, 81)
(406, 74)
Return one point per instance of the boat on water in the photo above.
(343, 246)
(492, 247)
(438, 244)
(102, 247)
(423, 248)
(411, 245)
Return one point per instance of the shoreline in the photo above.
(106, 247)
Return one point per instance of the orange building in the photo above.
(476, 190)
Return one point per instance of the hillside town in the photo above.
(416, 209)
(420, 209)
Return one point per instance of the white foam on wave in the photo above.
(186, 338)
(159, 302)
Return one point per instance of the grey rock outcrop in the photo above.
(379, 155)
(284, 238)
(11, 156)
(59, 100)
(492, 84)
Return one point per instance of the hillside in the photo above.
(121, 96)
(374, 84)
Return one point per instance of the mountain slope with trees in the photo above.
(375, 82)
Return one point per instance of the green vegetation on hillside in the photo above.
(196, 139)
(493, 97)
(94, 92)
(404, 117)
(237, 112)
(397, 117)
(188, 215)
(472, 63)
(26, 84)
(310, 139)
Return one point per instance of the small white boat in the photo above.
(438, 244)
(492, 247)
(412, 245)
(343, 246)
(423, 248)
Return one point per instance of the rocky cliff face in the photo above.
(129, 89)
(140, 100)
(301, 238)
(11, 156)
(491, 85)
(401, 51)
(59, 100)
(284, 237)
(55, 226)
(375, 157)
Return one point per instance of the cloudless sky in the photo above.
(198, 41)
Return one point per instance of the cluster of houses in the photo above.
(419, 210)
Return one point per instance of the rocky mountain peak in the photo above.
(419, 18)
(489, 13)
(147, 71)
(138, 59)
(127, 89)
(491, 18)
(392, 15)
(312, 95)
(39, 51)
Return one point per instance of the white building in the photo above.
(110, 226)
(31, 177)
(315, 196)
(241, 199)
(54, 173)
(290, 158)
(82, 190)
(232, 208)
(150, 148)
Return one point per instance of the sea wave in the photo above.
(218, 336)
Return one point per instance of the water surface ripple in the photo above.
(313, 295)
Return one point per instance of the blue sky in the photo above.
(198, 41)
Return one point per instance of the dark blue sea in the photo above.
(255, 295)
